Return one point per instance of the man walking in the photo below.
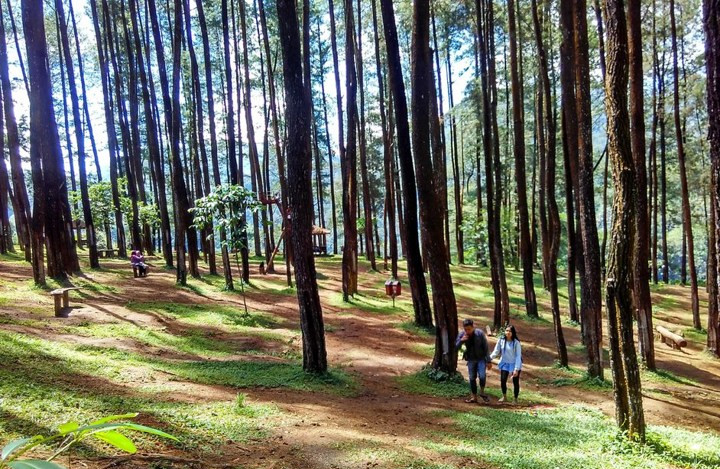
(477, 357)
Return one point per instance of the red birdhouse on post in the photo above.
(393, 288)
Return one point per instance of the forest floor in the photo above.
(230, 385)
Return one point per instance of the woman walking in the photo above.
(510, 352)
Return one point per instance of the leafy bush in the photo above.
(69, 434)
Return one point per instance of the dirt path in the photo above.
(382, 418)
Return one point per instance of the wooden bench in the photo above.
(670, 338)
(62, 293)
(136, 271)
(106, 252)
(488, 331)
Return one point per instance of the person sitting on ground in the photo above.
(137, 260)
(476, 356)
(510, 352)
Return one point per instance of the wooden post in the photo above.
(66, 299)
(58, 308)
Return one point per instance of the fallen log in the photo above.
(670, 338)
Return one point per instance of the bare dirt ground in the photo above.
(381, 417)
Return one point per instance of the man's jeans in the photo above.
(476, 369)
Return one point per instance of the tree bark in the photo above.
(366, 197)
(457, 176)
(110, 127)
(152, 140)
(552, 239)
(618, 288)
(45, 151)
(591, 303)
(81, 70)
(183, 218)
(687, 214)
(298, 117)
(387, 155)
(276, 132)
(653, 151)
(493, 202)
(23, 216)
(348, 162)
(711, 22)
(252, 145)
(409, 222)
(497, 166)
(641, 251)
(519, 153)
(431, 214)
(79, 136)
(6, 237)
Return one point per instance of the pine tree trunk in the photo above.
(591, 303)
(45, 150)
(711, 17)
(6, 237)
(276, 132)
(493, 234)
(331, 170)
(136, 183)
(252, 145)
(570, 153)
(152, 138)
(123, 169)
(338, 89)
(203, 182)
(641, 277)
(687, 215)
(362, 144)
(497, 167)
(80, 137)
(653, 151)
(110, 126)
(22, 204)
(553, 216)
(439, 145)
(663, 188)
(519, 153)
(348, 162)
(618, 288)
(391, 237)
(298, 117)
(68, 135)
(409, 222)
(183, 218)
(457, 176)
(431, 213)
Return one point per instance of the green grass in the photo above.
(426, 350)
(421, 383)
(373, 304)
(666, 377)
(695, 335)
(25, 294)
(456, 387)
(192, 342)
(569, 437)
(248, 374)
(222, 317)
(573, 377)
(16, 257)
(45, 384)
(411, 327)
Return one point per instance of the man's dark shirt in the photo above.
(476, 347)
